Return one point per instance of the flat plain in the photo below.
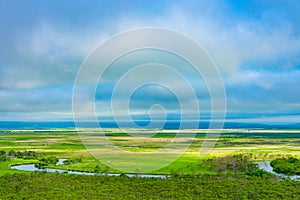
(67, 143)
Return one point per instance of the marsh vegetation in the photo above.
(228, 165)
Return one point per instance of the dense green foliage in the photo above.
(18, 154)
(288, 165)
(72, 161)
(44, 162)
(2, 156)
(61, 186)
(23, 154)
(233, 164)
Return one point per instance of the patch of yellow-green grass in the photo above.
(185, 164)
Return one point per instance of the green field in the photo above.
(66, 143)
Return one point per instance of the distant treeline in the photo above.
(18, 154)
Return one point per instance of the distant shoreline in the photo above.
(28, 125)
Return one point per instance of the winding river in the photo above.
(264, 165)
(32, 168)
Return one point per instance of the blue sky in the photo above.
(255, 44)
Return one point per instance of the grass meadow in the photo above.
(67, 143)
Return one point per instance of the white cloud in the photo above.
(231, 44)
(47, 55)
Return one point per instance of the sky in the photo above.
(254, 44)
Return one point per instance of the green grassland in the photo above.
(227, 172)
(67, 143)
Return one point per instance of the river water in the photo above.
(32, 168)
(264, 165)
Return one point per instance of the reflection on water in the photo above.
(265, 165)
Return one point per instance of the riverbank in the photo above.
(264, 165)
(33, 168)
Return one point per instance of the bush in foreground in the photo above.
(62, 186)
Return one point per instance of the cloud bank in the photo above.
(256, 46)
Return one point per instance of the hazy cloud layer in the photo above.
(256, 46)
